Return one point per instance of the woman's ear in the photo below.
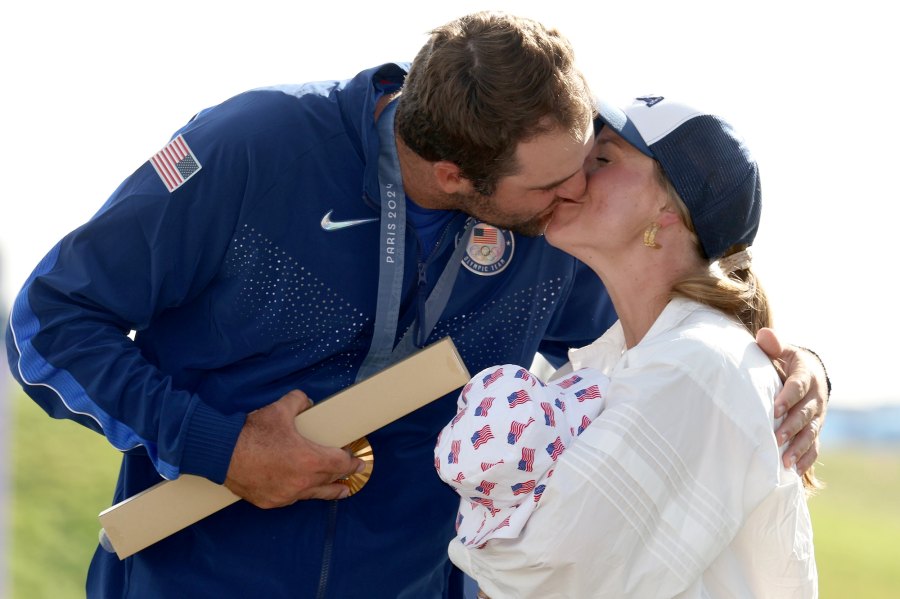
(449, 178)
(668, 216)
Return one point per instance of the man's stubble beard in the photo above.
(482, 208)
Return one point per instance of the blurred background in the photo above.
(92, 89)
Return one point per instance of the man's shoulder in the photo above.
(292, 103)
(356, 91)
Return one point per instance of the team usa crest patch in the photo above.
(489, 250)
(175, 163)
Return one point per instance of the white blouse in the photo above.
(676, 490)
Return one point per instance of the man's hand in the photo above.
(803, 399)
(273, 465)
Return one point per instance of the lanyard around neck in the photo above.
(392, 246)
(391, 260)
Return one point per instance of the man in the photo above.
(266, 250)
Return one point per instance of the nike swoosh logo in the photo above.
(335, 225)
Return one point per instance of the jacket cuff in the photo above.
(825, 370)
(209, 443)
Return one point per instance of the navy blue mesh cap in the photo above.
(707, 162)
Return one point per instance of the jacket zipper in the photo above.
(422, 283)
(328, 549)
(423, 277)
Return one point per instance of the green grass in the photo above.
(64, 476)
(856, 523)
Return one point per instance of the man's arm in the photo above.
(150, 249)
(803, 401)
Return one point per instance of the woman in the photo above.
(677, 488)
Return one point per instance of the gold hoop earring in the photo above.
(650, 236)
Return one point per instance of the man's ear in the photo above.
(449, 178)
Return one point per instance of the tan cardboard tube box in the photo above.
(170, 506)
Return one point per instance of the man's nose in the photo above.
(573, 187)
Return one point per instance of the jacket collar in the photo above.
(357, 99)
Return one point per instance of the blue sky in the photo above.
(98, 87)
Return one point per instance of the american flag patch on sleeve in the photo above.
(175, 163)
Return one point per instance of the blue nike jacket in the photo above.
(213, 253)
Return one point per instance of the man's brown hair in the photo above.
(485, 83)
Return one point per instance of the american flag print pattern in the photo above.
(549, 418)
(485, 487)
(517, 398)
(515, 431)
(556, 449)
(569, 381)
(524, 487)
(487, 380)
(503, 524)
(526, 464)
(484, 406)
(482, 436)
(585, 422)
(488, 503)
(541, 421)
(453, 457)
(592, 392)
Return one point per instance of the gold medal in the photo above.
(362, 450)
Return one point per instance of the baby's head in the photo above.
(501, 447)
